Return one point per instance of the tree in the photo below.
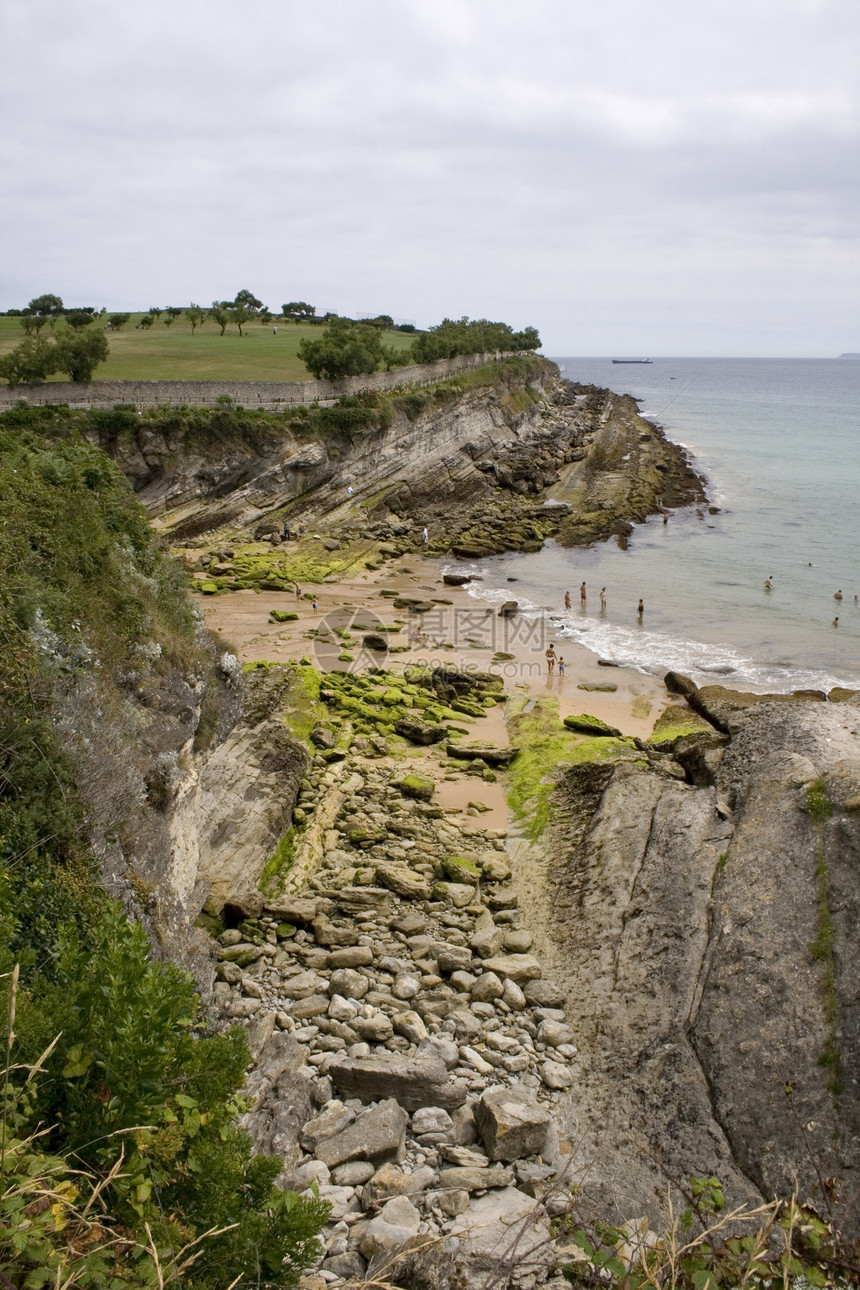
(220, 313)
(172, 314)
(155, 310)
(47, 305)
(247, 300)
(29, 363)
(344, 349)
(33, 322)
(146, 322)
(79, 356)
(116, 322)
(78, 319)
(196, 316)
(298, 311)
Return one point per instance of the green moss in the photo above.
(544, 746)
(280, 862)
(283, 616)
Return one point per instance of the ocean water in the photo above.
(778, 443)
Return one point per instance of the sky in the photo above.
(631, 179)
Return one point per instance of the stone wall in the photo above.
(250, 394)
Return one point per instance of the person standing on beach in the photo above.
(298, 592)
(640, 610)
(560, 666)
(550, 659)
(602, 597)
(567, 600)
(582, 593)
(425, 536)
(768, 583)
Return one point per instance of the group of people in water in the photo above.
(837, 596)
(583, 599)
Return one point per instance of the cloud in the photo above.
(551, 165)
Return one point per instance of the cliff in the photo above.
(457, 1027)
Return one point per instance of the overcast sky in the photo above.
(664, 178)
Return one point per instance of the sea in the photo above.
(777, 442)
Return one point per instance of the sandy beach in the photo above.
(458, 631)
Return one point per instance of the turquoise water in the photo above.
(778, 442)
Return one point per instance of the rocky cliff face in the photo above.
(478, 464)
(708, 940)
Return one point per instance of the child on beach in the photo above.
(314, 604)
(560, 666)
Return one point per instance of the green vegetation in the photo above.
(545, 745)
(120, 1146)
(152, 352)
(760, 1247)
(75, 356)
(476, 336)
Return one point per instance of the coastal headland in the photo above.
(518, 953)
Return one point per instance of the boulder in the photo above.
(514, 967)
(374, 642)
(508, 609)
(333, 1120)
(292, 909)
(418, 787)
(419, 732)
(472, 1178)
(544, 994)
(487, 1229)
(377, 1135)
(413, 1081)
(390, 1181)
(585, 724)
(451, 958)
(459, 869)
(511, 1124)
(403, 881)
(487, 942)
(396, 1223)
(482, 752)
(456, 579)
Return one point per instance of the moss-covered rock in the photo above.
(585, 724)
(283, 616)
(418, 787)
(459, 869)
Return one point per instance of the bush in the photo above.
(479, 336)
(344, 349)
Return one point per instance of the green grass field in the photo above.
(173, 354)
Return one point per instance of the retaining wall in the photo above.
(249, 394)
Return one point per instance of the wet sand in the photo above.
(458, 632)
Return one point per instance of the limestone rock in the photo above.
(413, 1081)
(393, 1226)
(511, 1124)
(514, 967)
(377, 1135)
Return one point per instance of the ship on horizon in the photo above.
(632, 360)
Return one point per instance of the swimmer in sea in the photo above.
(836, 621)
(602, 597)
(567, 600)
(837, 595)
(640, 609)
(768, 583)
(582, 593)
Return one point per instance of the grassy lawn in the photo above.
(173, 354)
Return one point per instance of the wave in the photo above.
(656, 653)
